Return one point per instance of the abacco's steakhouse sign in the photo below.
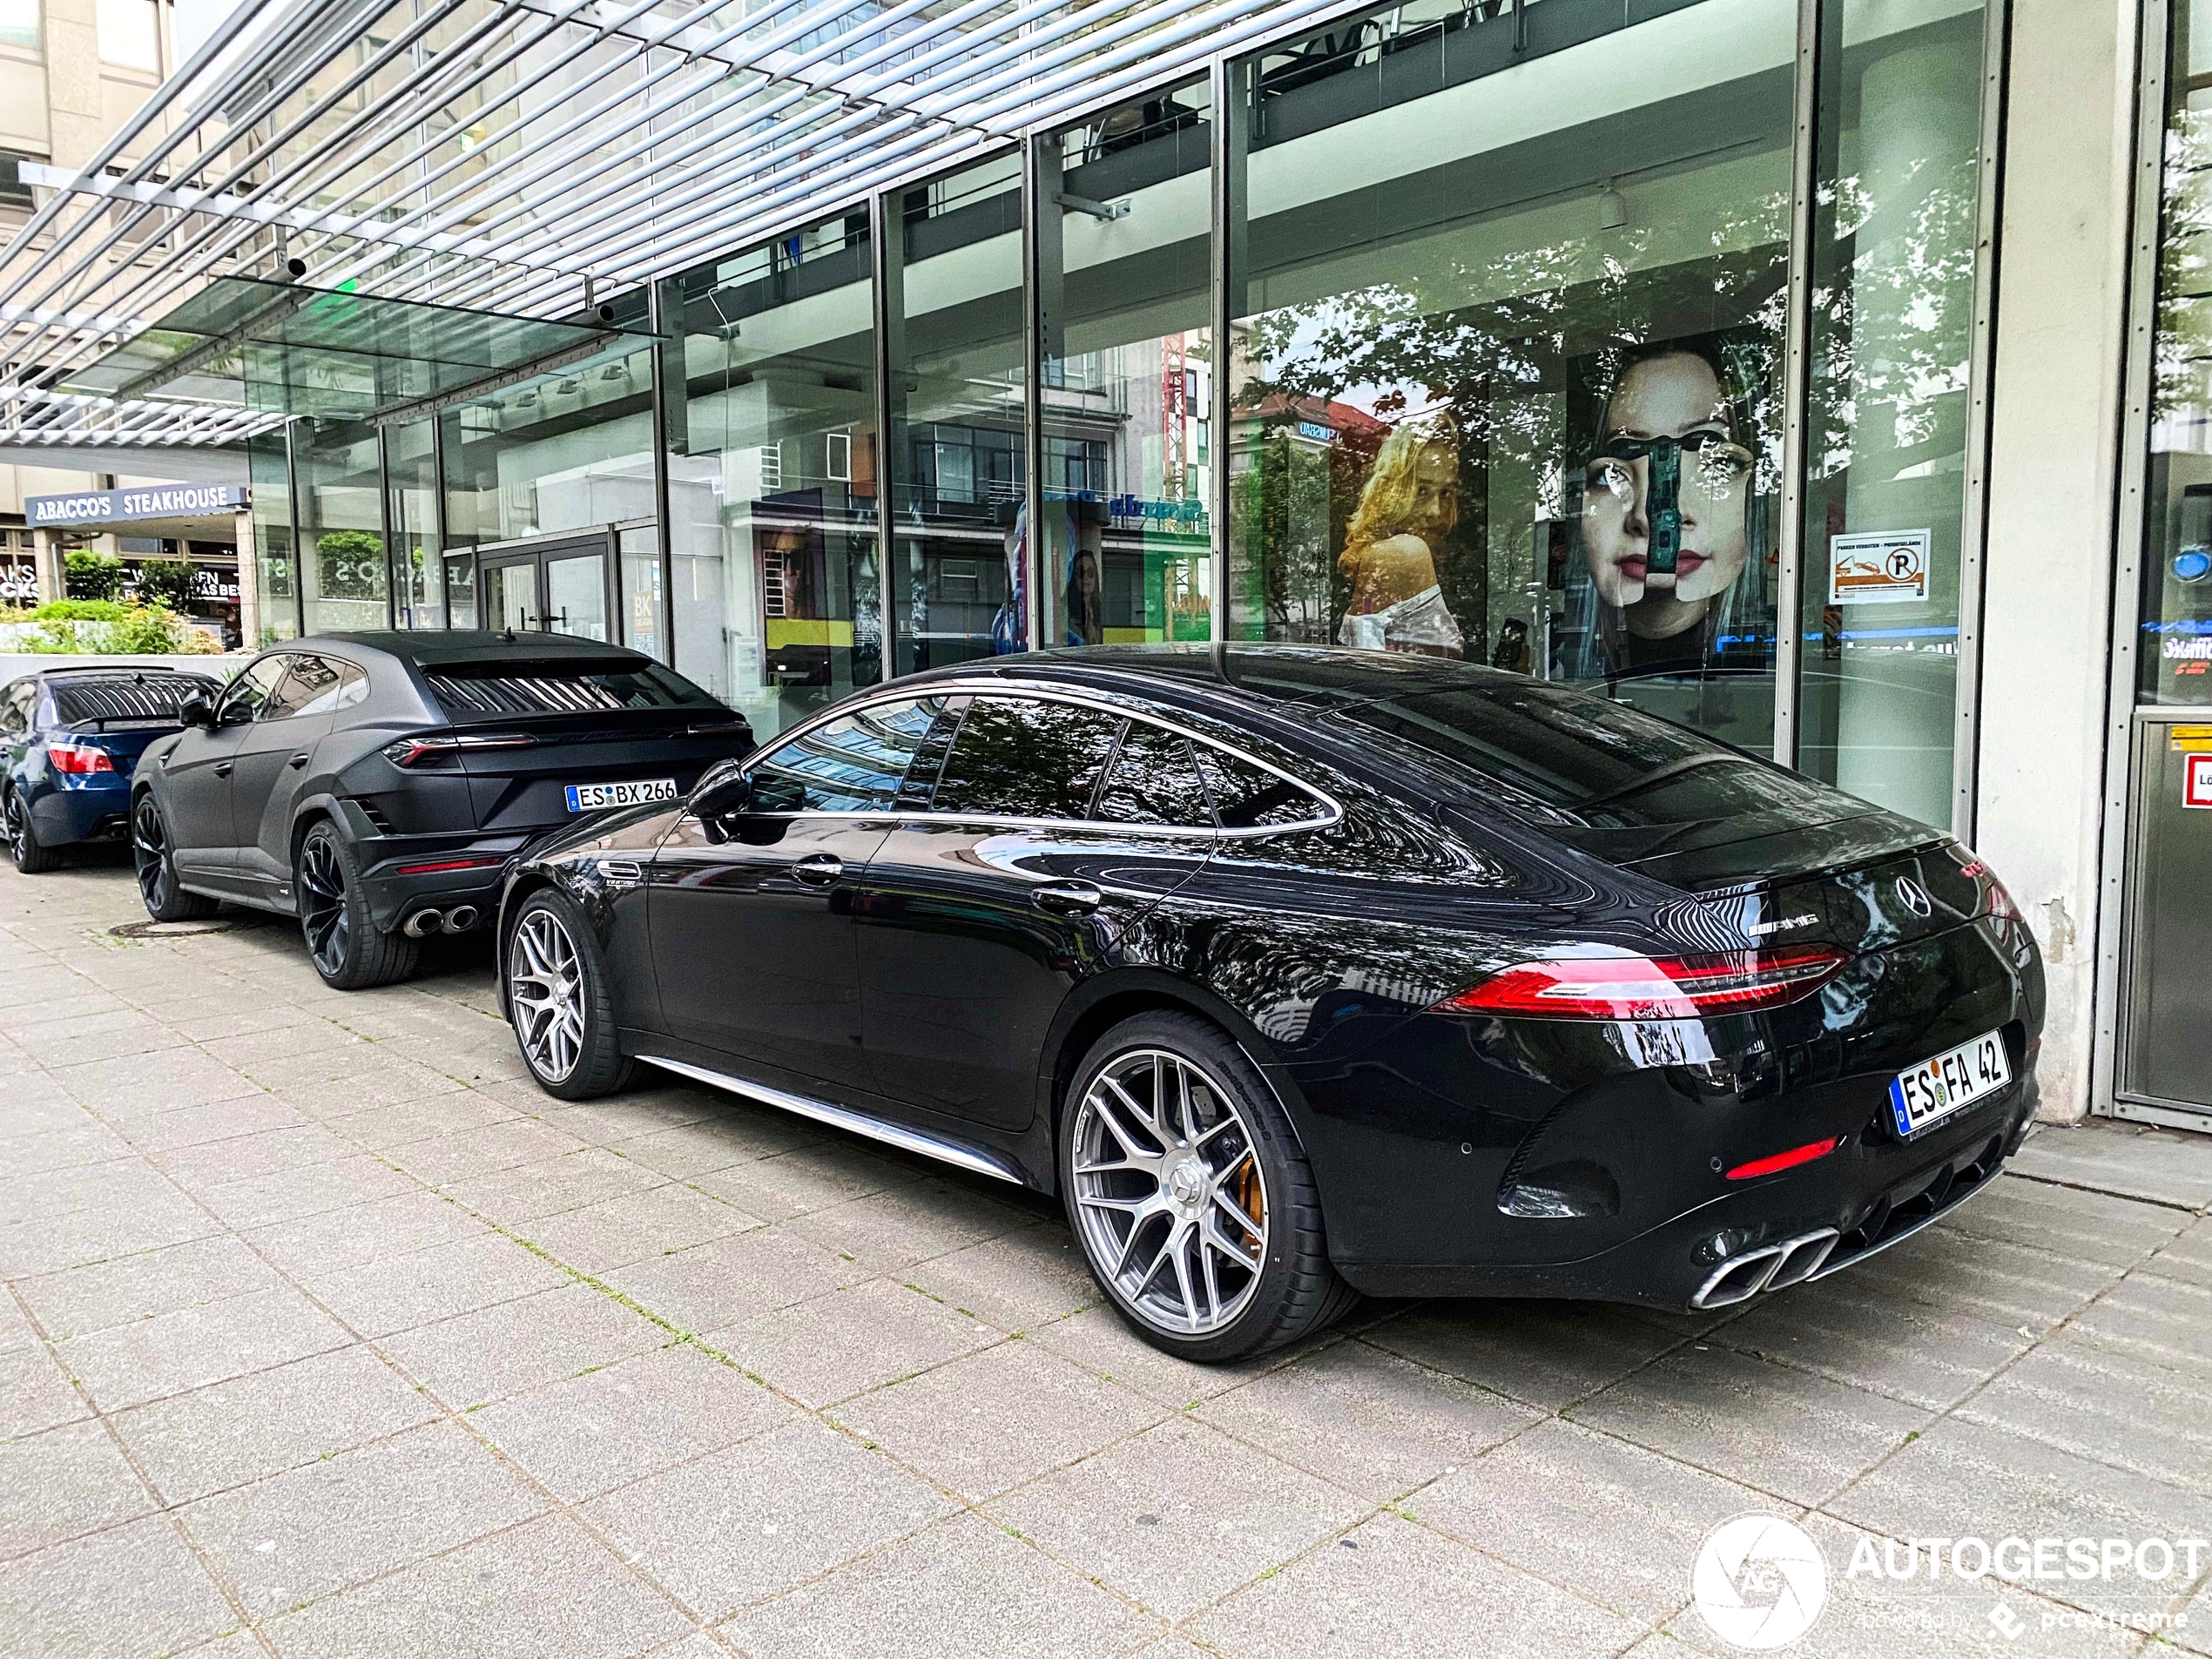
(152, 500)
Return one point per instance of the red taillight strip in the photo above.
(1788, 1160)
(449, 864)
(412, 752)
(79, 759)
(1645, 987)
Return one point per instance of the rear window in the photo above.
(561, 685)
(122, 700)
(1604, 777)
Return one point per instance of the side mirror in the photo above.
(196, 709)
(724, 790)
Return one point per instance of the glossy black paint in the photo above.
(927, 983)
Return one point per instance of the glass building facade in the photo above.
(1632, 346)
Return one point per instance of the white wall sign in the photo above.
(1878, 568)
(2196, 780)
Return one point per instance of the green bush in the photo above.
(79, 610)
(93, 576)
(166, 583)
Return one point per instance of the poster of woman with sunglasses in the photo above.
(1672, 524)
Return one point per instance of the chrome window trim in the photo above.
(1334, 814)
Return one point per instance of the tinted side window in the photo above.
(15, 706)
(852, 763)
(250, 690)
(309, 687)
(1020, 758)
(1250, 796)
(1155, 780)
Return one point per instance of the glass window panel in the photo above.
(19, 24)
(575, 596)
(1893, 289)
(773, 473)
(959, 575)
(129, 32)
(641, 591)
(1153, 780)
(1126, 287)
(461, 590)
(854, 764)
(417, 556)
(1014, 758)
(1250, 796)
(569, 450)
(342, 524)
(2174, 661)
(1508, 294)
(268, 467)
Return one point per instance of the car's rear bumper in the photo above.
(1786, 1228)
(96, 808)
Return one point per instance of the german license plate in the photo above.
(591, 798)
(1949, 1083)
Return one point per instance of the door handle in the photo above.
(1066, 898)
(222, 768)
(818, 869)
(300, 760)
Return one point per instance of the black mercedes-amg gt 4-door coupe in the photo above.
(1298, 973)
(374, 784)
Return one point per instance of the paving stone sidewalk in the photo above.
(327, 1333)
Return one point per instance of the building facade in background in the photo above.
(71, 72)
(1821, 374)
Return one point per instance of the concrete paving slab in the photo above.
(134, 1592)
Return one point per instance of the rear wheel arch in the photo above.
(511, 900)
(1088, 1017)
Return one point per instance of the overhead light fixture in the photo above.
(615, 372)
(526, 400)
(1612, 207)
(567, 387)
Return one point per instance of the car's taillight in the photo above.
(78, 758)
(1651, 988)
(1994, 900)
(413, 753)
(437, 866)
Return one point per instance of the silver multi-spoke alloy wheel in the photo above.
(1170, 1193)
(544, 984)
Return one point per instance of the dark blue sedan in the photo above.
(69, 738)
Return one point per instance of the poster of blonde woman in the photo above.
(1408, 508)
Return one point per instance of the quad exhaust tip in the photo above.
(423, 923)
(1773, 1267)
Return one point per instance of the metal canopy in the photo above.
(285, 348)
(526, 157)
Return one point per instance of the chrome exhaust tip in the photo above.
(1802, 1258)
(422, 924)
(1737, 1280)
(461, 918)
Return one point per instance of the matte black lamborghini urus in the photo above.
(1298, 973)
(374, 784)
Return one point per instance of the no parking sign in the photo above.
(1878, 568)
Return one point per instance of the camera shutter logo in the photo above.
(1759, 1582)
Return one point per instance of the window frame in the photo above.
(904, 691)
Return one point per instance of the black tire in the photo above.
(1295, 1293)
(31, 856)
(343, 942)
(155, 859)
(560, 1000)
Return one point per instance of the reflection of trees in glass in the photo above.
(2183, 347)
(351, 565)
(1893, 325)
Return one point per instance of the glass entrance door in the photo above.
(559, 589)
(2169, 954)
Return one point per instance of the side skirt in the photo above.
(943, 1147)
